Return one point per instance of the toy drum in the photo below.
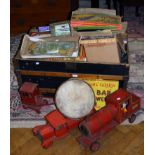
(75, 99)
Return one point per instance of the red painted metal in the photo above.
(120, 106)
(32, 98)
(127, 103)
(46, 131)
(57, 127)
(99, 119)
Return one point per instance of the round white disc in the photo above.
(75, 98)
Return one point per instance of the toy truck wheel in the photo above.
(95, 146)
(132, 118)
(38, 111)
(47, 143)
(35, 132)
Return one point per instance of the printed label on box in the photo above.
(101, 89)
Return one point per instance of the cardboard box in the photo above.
(103, 52)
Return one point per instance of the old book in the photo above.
(60, 28)
(92, 33)
(92, 19)
(96, 39)
(95, 10)
(82, 55)
(82, 22)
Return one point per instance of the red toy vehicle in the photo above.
(56, 128)
(120, 105)
(32, 98)
(73, 105)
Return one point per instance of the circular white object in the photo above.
(75, 99)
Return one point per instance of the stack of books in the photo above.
(83, 22)
(88, 20)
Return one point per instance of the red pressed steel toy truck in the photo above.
(32, 98)
(56, 128)
(120, 105)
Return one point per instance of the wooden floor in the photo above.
(123, 140)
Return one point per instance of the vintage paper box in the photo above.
(101, 89)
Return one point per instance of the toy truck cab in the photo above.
(31, 97)
(28, 93)
(56, 128)
(126, 104)
(58, 122)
